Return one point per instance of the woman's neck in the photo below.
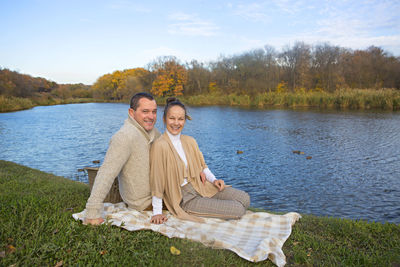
(174, 137)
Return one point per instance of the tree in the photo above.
(198, 78)
(296, 62)
(171, 77)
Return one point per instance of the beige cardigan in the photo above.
(128, 158)
(167, 171)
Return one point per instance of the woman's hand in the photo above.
(203, 177)
(158, 219)
(220, 184)
(96, 221)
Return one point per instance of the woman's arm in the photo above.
(209, 175)
(157, 217)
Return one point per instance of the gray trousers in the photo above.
(229, 203)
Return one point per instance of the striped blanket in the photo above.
(255, 237)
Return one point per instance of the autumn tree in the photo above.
(170, 77)
(198, 78)
(326, 67)
(296, 62)
(122, 84)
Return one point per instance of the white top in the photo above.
(176, 141)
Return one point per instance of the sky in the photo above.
(77, 41)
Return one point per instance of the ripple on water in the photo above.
(353, 172)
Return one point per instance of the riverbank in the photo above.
(354, 99)
(351, 99)
(37, 228)
(10, 104)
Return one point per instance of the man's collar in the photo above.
(149, 135)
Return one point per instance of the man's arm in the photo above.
(117, 155)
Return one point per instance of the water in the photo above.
(353, 172)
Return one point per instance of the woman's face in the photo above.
(175, 120)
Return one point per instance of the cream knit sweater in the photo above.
(128, 158)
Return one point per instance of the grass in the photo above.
(37, 229)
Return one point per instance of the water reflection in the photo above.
(353, 172)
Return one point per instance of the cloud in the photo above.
(252, 12)
(352, 24)
(191, 25)
(266, 11)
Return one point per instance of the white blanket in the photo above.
(255, 237)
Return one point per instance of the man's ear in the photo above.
(131, 112)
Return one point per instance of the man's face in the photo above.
(145, 114)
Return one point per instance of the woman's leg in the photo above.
(230, 193)
(231, 204)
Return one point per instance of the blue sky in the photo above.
(72, 41)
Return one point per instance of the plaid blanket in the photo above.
(255, 237)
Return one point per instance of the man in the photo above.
(128, 158)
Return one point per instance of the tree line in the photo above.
(297, 68)
(14, 84)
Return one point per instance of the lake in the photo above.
(353, 172)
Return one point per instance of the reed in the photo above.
(8, 104)
(353, 99)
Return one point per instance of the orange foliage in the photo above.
(171, 78)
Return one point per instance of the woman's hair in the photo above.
(173, 101)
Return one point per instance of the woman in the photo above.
(180, 178)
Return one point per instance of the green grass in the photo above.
(36, 219)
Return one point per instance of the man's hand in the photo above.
(203, 177)
(96, 221)
(220, 184)
(158, 219)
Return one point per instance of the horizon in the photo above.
(77, 42)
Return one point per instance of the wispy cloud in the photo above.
(191, 25)
(354, 24)
(251, 11)
(372, 22)
(265, 11)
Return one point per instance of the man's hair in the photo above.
(135, 99)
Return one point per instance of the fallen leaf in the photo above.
(103, 252)
(174, 250)
(10, 239)
(59, 264)
(11, 249)
(296, 243)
